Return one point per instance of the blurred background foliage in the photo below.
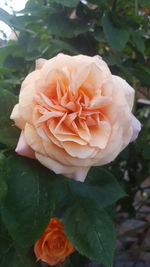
(119, 32)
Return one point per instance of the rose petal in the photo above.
(100, 135)
(99, 101)
(112, 149)
(60, 155)
(82, 130)
(63, 134)
(15, 116)
(30, 78)
(23, 148)
(27, 93)
(136, 125)
(77, 150)
(33, 139)
(77, 173)
(39, 63)
(57, 62)
(101, 64)
(128, 90)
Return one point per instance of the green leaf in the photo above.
(116, 37)
(99, 35)
(100, 186)
(3, 185)
(108, 189)
(62, 26)
(12, 21)
(3, 188)
(90, 229)
(35, 54)
(12, 255)
(15, 257)
(139, 42)
(5, 244)
(57, 46)
(11, 49)
(30, 199)
(142, 73)
(111, 210)
(5, 16)
(113, 59)
(68, 3)
(101, 3)
(8, 134)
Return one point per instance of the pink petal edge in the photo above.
(23, 148)
(136, 128)
(39, 63)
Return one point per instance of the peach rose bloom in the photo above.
(53, 246)
(74, 114)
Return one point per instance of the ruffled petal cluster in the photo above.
(74, 114)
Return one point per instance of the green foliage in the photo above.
(8, 133)
(107, 185)
(145, 3)
(84, 217)
(30, 199)
(3, 185)
(116, 37)
(90, 229)
(117, 31)
(12, 21)
(68, 3)
(17, 258)
(11, 254)
(135, 162)
(139, 42)
(31, 194)
(99, 184)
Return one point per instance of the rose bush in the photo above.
(74, 114)
(53, 247)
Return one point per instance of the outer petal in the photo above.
(31, 77)
(33, 139)
(136, 128)
(39, 63)
(75, 62)
(23, 148)
(27, 93)
(77, 173)
(119, 112)
(112, 149)
(101, 64)
(15, 116)
(128, 90)
(57, 62)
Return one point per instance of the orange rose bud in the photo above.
(53, 246)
